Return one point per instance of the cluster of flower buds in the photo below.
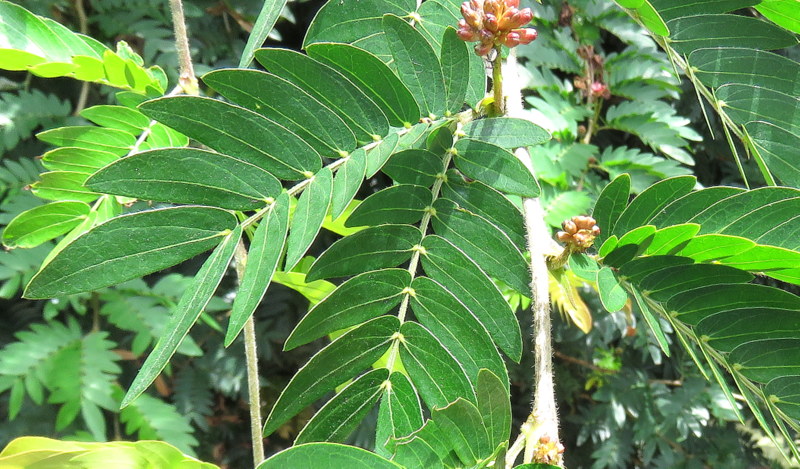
(491, 23)
(548, 451)
(579, 233)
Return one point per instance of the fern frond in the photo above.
(24, 111)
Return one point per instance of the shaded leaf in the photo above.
(496, 167)
(404, 203)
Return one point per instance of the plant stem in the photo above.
(543, 420)
(186, 79)
(497, 82)
(251, 357)
(83, 28)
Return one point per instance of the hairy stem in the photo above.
(541, 427)
(187, 79)
(253, 386)
(497, 82)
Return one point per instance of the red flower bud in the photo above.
(490, 22)
(483, 49)
(512, 3)
(511, 40)
(527, 35)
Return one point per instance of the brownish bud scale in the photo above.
(570, 226)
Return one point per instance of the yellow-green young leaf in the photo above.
(345, 357)
(781, 12)
(650, 202)
(337, 419)
(400, 412)
(359, 299)
(282, 101)
(188, 176)
(458, 273)
(610, 205)
(308, 216)
(117, 117)
(651, 19)
(237, 131)
(347, 181)
(113, 141)
(190, 306)
(327, 456)
(63, 185)
(673, 237)
(262, 259)
(40, 452)
(314, 291)
(331, 88)
(436, 374)
(374, 78)
(131, 246)
(75, 159)
(374, 248)
(687, 207)
(404, 203)
(506, 132)
(496, 167)
(43, 223)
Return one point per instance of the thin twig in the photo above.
(251, 357)
(83, 28)
(186, 79)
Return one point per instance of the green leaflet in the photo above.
(374, 78)
(456, 329)
(270, 12)
(332, 366)
(767, 359)
(612, 295)
(496, 167)
(494, 406)
(77, 159)
(381, 153)
(131, 246)
(61, 185)
(363, 20)
(506, 132)
(113, 141)
(43, 223)
(781, 12)
(337, 419)
(481, 199)
(650, 18)
(713, 247)
(189, 308)
(414, 166)
(458, 273)
(281, 101)
(696, 32)
(462, 426)
(670, 238)
(721, 65)
(401, 204)
(637, 269)
(610, 205)
(785, 391)
(686, 207)
(117, 117)
(747, 103)
(438, 377)
(728, 329)
(435, 16)
(417, 65)
(654, 325)
(455, 69)
(583, 266)
(347, 181)
(648, 203)
(359, 299)
(374, 248)
(694, 305)
(236, 131)
(427, 447)
(483, 242)
(327, 456)
(400, 412)
(194, 177)
(331, 88)
(775, 145)
(671, 9)
(667, 282)
(308, 216)
(633, 244)
(265, 252)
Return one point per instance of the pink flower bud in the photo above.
(490, 22)
(483, 49)
(512, 3)
(527, 35)
(511, 40)
(522, 18)
(598, 88)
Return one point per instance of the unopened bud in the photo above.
(569, 226)
(527, 35)
(490, 22)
